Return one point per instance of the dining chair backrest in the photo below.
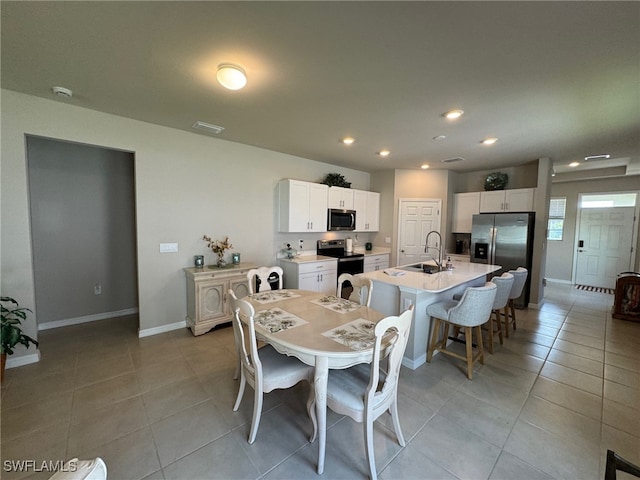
(379, 397)
(258, 278)
(362, 288)
(245, 337)
(504, 284)
(519, 279)
(474, 308)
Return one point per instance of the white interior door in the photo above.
(604, 245)
(417, 219)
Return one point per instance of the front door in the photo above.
(417, 219)
(604, 245)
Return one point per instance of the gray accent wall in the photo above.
(82, 207)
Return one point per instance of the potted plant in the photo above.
(10, 329)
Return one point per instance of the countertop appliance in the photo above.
(338, 219)
(504, 239)
(348, 262)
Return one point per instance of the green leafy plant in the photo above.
(11, 331)
(496, 181)
(336, 180)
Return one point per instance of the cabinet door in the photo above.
(298, 206)
(465, 206)
(317, 207)
(309, 281)
(520, 199)
(492, 201)
(239, 287)
(328, 283)
(373, 211)
(340, 197)
(212, 300)
(360, 206)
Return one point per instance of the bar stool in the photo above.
(472, 311)
(504, 284)
(519, 279)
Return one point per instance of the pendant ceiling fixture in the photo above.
(231, 76)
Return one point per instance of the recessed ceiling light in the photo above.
(574, 164)
(439, 137)
(231, 76)
(597, 157)
(424, 166)
(348, 140)
(384, 153)
(489, 141)
(453, 114)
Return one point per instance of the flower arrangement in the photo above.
(219, 248)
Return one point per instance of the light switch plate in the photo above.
(168, 247)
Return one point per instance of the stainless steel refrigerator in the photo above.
(504, 239)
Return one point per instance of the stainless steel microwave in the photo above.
(341, 219)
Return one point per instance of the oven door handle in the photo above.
(356, 259)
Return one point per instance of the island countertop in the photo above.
(462, 272)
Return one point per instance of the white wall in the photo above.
(186, 185)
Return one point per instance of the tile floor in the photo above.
(547, 404)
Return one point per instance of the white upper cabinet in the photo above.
(465, 206)
(367, 207)
(516, 200)
(340, 197)
(303, 206)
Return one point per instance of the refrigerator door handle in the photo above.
(492, 247)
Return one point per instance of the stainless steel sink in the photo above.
(422, 267)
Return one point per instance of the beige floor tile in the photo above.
(569, 397)
(106, 424)
(130, 457)
(456, 449)
(617, 392)
(552, 455)
(622, 376)
(583, 330)
(621, 417)
(411, 463)
(496, 393)
(576, 362)
(522, 361)
(574, 378)
(580, 350)
(187, 431)
(624, 349)
(168, 399)
(622, 361)
(509, 467)
(100, 369)
(625, 445)
(221, 459)
(24, 420)
(91, 397)
(581, 339)
(23, 391)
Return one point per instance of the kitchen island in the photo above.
(395, 289)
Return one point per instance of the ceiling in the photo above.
(548, 79)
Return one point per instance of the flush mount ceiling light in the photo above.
(207, 127)
(384, 153)
(597, 157)
(62, 92)
(348, 140)
(453, 114)
(489, 141)
(440, 137)
(424, 166)
(231, 76)
(574, 164)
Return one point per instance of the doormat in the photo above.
(587, 288)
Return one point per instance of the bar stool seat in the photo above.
(520, 275)
(504, 284)
(472, 311)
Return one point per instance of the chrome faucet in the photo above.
(438, 248)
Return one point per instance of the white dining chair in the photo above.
(520, 275)
(264, 369)
(259, 278)
(365, 392)
(361, 288)
(472, 311)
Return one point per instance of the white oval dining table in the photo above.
(321, 331)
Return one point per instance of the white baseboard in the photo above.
(557, 280)
(413, 364)
(536, 306)
(147, 332)
(88, 318)
(23, 360)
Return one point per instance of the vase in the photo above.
(221, 262)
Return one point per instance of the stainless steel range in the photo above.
(348, 262)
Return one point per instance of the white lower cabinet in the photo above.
(376, 262)
(207, 295)
(317, 276)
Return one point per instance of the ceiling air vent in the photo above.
(207, 127)
(452, 160)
